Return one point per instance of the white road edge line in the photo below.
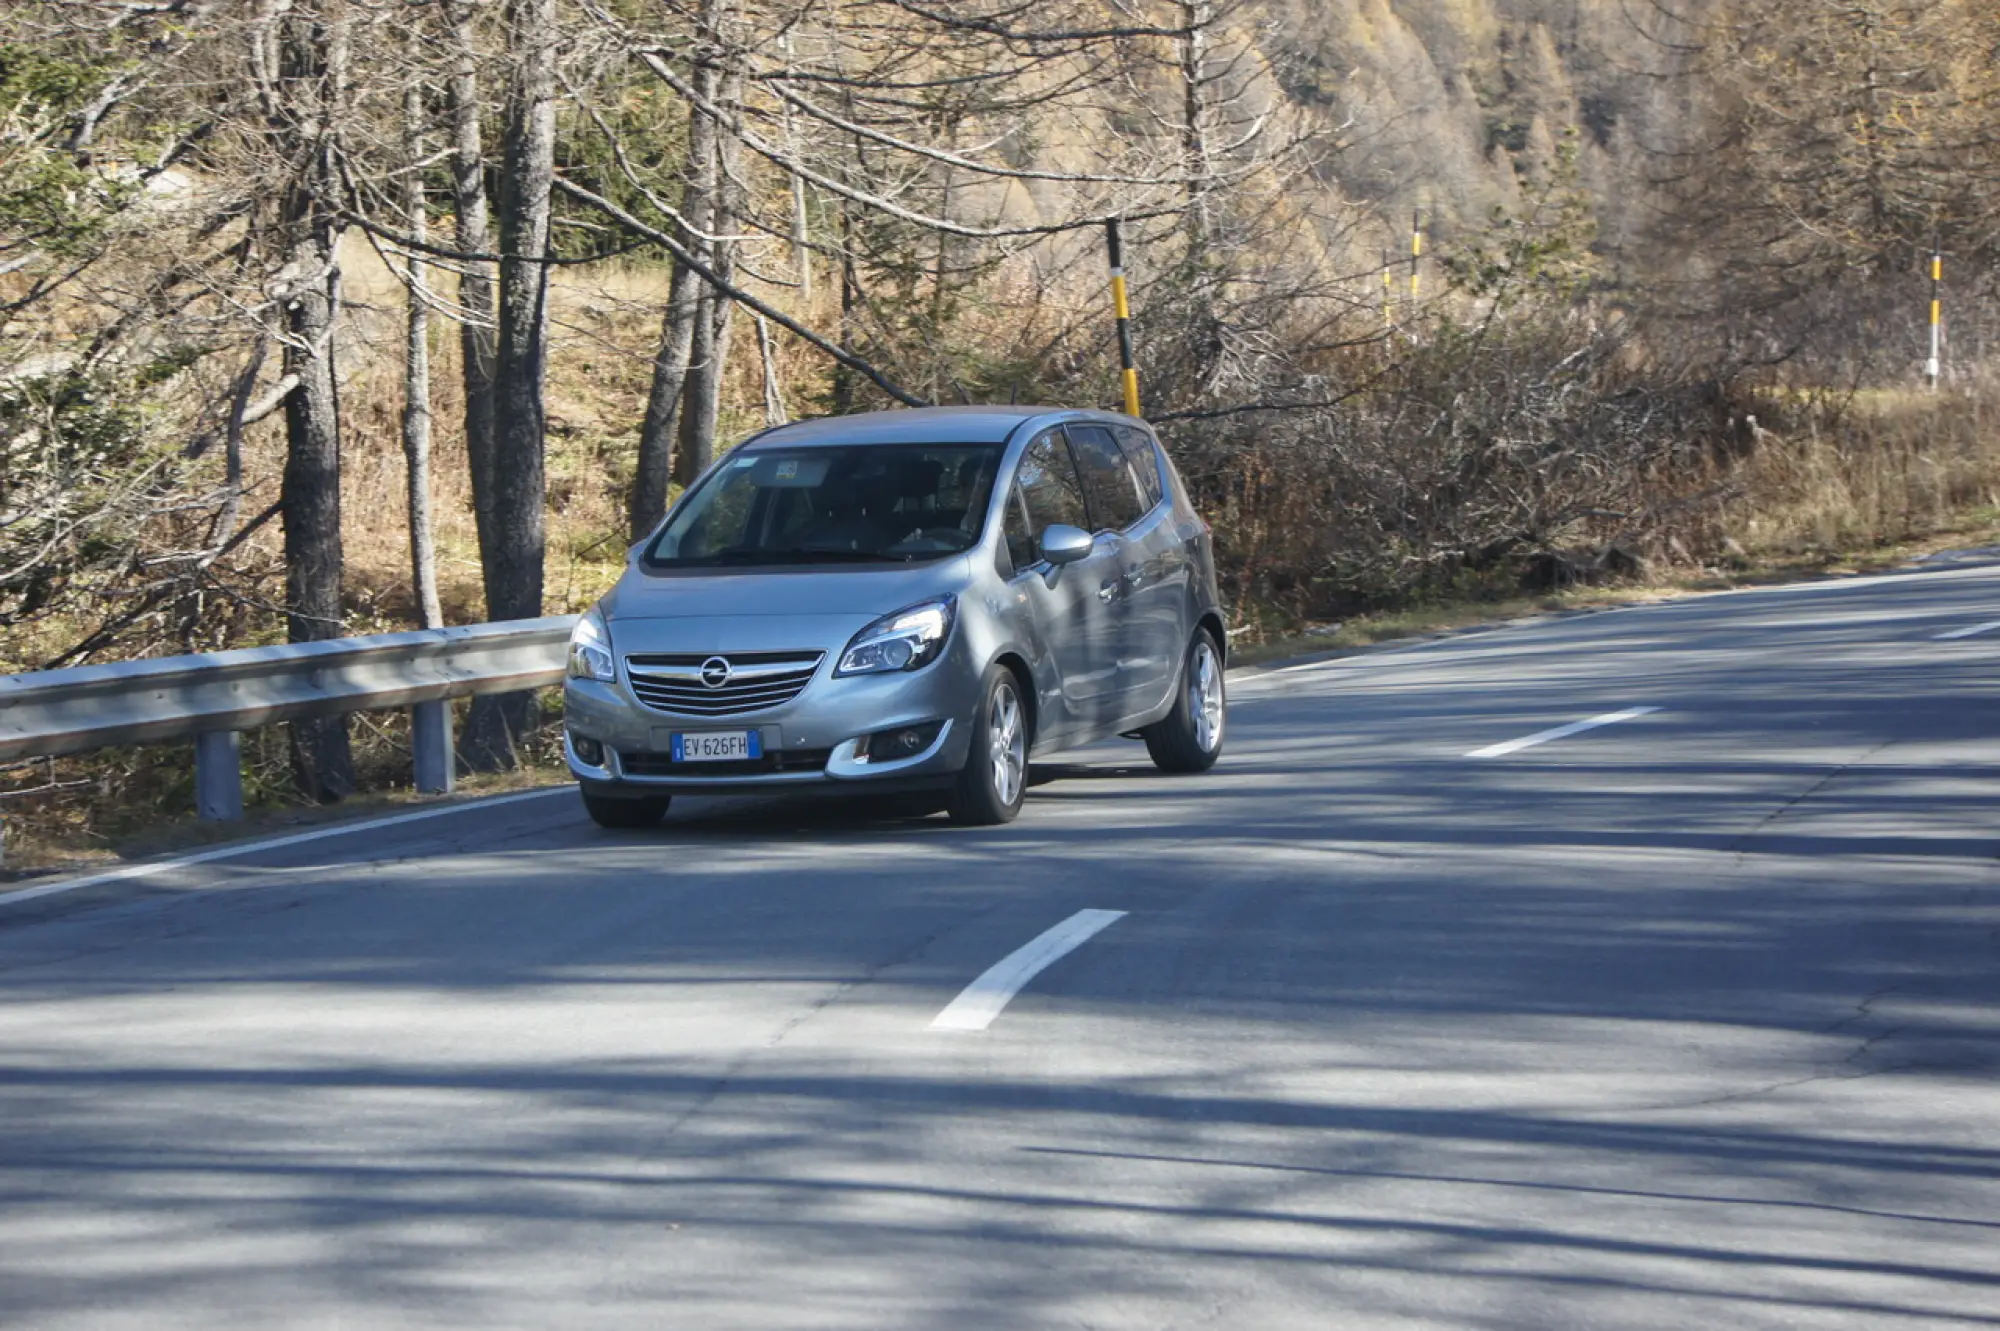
(976, 1007)
(1968, 632)
(1560, 732)
(155, 867)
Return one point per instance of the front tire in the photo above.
(625, 815)
(1189, 738)
(994, 780)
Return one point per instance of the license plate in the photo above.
(718, 746)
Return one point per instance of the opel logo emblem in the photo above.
(715, 672)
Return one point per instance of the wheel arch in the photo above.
(1017, 665)
(1212, 621)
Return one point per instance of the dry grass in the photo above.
(1865, 470)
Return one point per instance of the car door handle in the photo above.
(1107, 591)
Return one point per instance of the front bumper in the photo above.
(812, 743)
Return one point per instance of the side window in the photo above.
(1107, 481)
(1050, 487)
(1145, 460)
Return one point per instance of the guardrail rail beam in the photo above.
(212, 698)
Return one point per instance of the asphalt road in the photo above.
(1691, 1019)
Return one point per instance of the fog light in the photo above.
(888, 746)
(588, 751)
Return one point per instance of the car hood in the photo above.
(840, 590)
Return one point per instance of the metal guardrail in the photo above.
(214, 697)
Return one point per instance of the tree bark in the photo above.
(688, 299)
(850, 300)
(648, 503)
(709, 356)
(475, 281)
(514, 578)
(1197, 161)
(312, 65)
(417, 375)
(486, 732)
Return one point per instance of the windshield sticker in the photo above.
(792, 473)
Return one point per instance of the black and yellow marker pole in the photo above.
(1416, 255)
(1935, 364)
(1122, 306)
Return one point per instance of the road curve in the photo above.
(1432, 1006)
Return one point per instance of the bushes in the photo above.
(1555, 450)
(1539, 447)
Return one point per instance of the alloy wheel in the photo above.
(1007, 742)
(1205, 696)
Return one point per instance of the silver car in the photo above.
(904, 600)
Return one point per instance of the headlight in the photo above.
(590, 649)
(907, 640)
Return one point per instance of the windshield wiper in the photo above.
(797, 554)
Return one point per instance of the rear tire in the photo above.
(1189, 738)
(625, 815)
(994, 780)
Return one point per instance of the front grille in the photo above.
(781, 760)
(758, 681)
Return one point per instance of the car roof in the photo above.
(913, 425)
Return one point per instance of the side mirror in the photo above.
(1062, 544)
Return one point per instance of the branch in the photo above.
(707, 274)
(993, 28)
(653, 61)
(953, 159)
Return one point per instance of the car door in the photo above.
(1163, 597)
(1143, 640)
(1068, 608)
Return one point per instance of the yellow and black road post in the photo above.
(1128, 373)
(1388, 290)
(1416, 256)
(1935, 364)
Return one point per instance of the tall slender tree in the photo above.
(516, 531)
(307, 92)
(417, 370)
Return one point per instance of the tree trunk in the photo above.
(417, 375)
(682, 342)
(704, 390)
(475, 282)
(486, 732)
(514, 577)
(663, 403)
(312, 61)
(710, 354)
(1196, 160)
(850, 300)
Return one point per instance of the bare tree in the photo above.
(308, 87)
(686, 299)
(515, 532)
(475, 275)
(417, 371)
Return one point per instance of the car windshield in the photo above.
(877, 503)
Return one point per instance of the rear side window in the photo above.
(1107, 481)
(1050, 486)
(1145, 460)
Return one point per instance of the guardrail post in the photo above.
(430, 744)
(218, 776)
